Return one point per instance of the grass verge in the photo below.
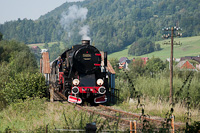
(35, 115)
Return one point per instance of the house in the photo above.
(123, 63)
(34, 48)
(198, 66)
(186, 65)
(194, 58)
(145, 59)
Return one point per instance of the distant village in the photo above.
(182, 63)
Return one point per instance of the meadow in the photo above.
(189, 47)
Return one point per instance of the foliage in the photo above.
(24, 85)
(195, 127)
(143, 46)
(153, 80)
(136, 68)
(114, 24)
(115, 64)
(1, 36)
(54, 51)
(15, 58)
(17, 55)
(19, 79)
(155, 65)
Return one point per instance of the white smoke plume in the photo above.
(84, 31)
(75, 13)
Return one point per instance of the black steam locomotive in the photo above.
(80, 74)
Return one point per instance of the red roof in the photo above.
(185, 65)
(34, 47)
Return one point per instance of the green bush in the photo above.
(24, 85)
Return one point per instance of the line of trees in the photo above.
(113, 24)
(143, 46)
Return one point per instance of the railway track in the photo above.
(122, 117)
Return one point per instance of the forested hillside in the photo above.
(111, 24)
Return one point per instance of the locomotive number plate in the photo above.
(87, 56)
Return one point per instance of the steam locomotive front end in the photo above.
(88, 81)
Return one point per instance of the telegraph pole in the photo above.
(171, 57)
(171, 67)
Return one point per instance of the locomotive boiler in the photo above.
(80, 74)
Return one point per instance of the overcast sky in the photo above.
(30, 9)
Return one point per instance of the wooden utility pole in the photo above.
(171, 67)
(171, 57)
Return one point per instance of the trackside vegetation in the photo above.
(151, 82)
(19, 73)
(37, 115)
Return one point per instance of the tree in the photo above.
(1, 36)
(115, 64)
(136, 68)
(155, 65)
(142, 46)
(46, 45)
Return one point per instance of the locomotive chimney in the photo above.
(85, 42)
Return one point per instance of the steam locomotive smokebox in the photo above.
(87, 58)
(85, 42)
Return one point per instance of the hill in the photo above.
(111, 24)
(189, 47)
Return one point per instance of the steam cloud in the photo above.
(75, 13)
(84, 32)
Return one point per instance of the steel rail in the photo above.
(131, 114)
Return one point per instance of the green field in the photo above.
(190, 47)
(41, 45)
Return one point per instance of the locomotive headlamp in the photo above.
(75, 90)
(76, 82)
(100, 82)
(102, 90)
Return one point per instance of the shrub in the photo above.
(24, 85)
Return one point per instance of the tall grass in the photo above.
(154, 93)
(37, 115)
(158, 86)
(159, 109)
